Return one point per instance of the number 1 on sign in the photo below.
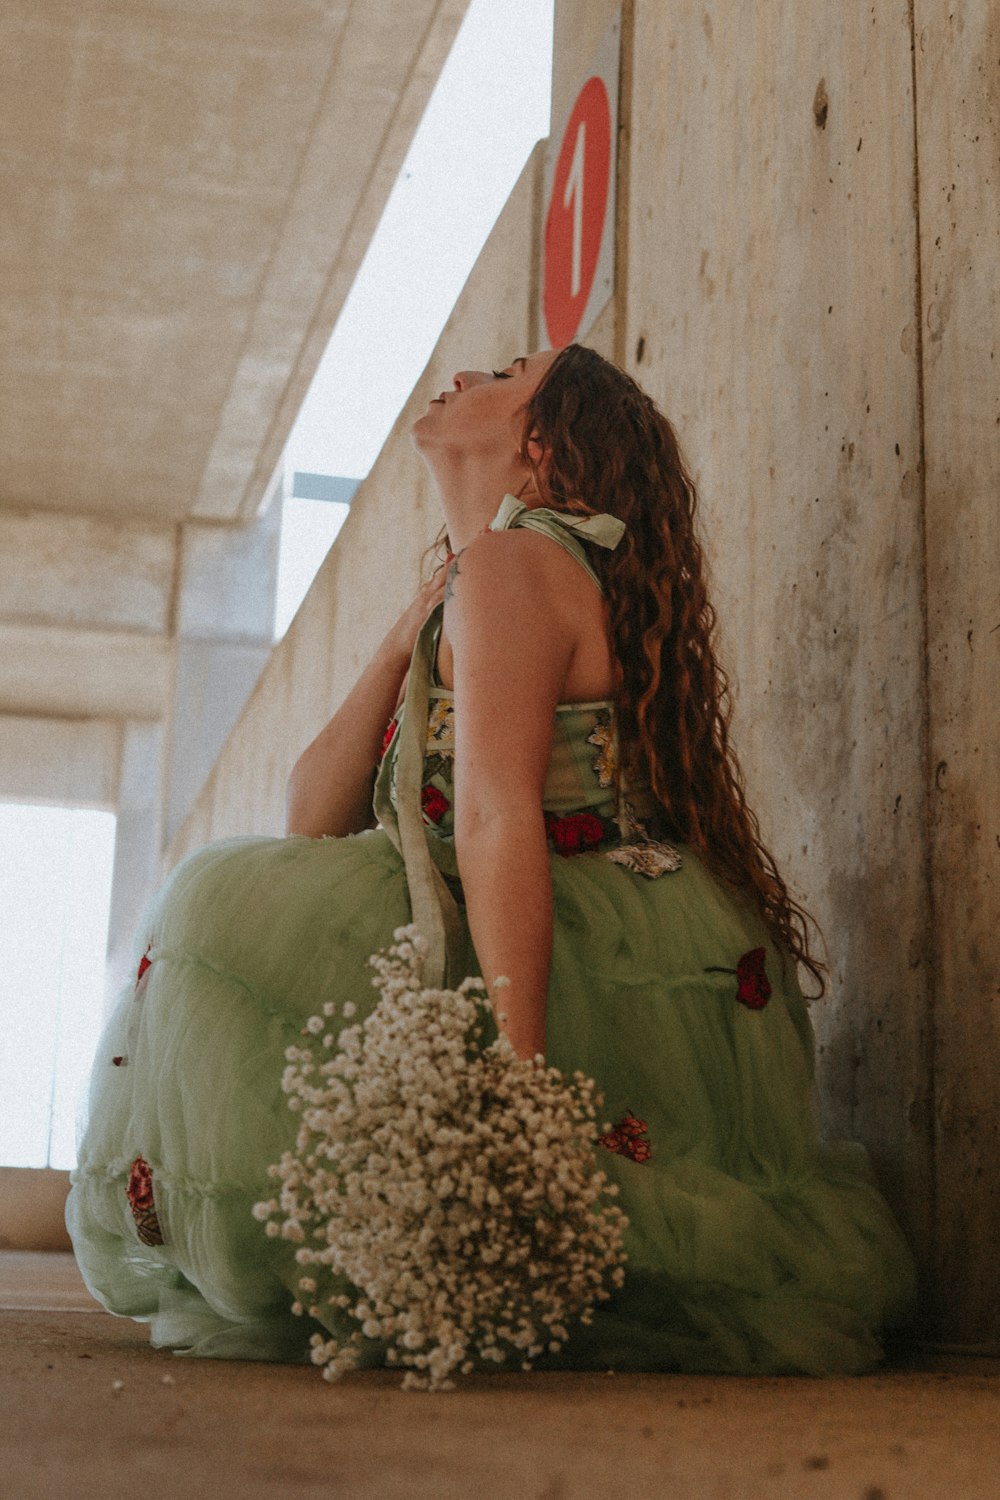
(573, 192)
(576, 215)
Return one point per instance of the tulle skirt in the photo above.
(753, 1245)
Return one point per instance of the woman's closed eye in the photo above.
(502, 374)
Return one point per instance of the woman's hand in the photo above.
(397, 646)
(330, 788)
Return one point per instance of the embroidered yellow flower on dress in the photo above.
(604, 761)
(441, 727)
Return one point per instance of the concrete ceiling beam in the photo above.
(90, 673)
(89, 571)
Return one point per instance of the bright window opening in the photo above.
(488, 109)
(55, 898)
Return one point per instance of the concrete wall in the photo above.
(808, 216)
(772, 311)
(958, 138)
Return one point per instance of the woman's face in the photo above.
(483, 413)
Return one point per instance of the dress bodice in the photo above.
(581, 772)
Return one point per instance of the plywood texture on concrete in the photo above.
(374, 567)
(91, 672)
(86, 570)
(771, 310)
(188, 191)
(957, 62)
(32, 1215)
(63, 761)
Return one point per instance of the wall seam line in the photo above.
(930, 1051)
(623, 177)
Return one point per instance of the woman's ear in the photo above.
(536, 452)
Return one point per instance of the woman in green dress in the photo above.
(555, 801)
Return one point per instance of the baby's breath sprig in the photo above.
(443, 1192)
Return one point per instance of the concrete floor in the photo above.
(89, 1410)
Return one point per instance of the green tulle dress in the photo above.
(754, 1246)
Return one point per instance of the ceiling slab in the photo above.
(188, 188)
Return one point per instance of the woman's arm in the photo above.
(330, 788)
(512, 647)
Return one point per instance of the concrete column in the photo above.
(137, 844)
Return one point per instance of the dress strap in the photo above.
(569, 530)
(432, 905)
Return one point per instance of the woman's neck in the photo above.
(471, 491)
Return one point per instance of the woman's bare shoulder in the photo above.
(521, 563)
(537, 592)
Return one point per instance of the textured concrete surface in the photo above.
(958, 92)
(60, 760)
(189, 191)
(771, 309)
(85, 672)
(90, 1410)
(32, 1219)
(86, 570)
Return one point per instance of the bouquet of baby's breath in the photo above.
(444, 1193)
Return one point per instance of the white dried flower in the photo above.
(451, 1184)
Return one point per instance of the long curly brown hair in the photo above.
(607, 447)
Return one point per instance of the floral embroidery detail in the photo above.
(434, 803)
(387, 738)
(753, 988)
(575, 833)
(602, 736)
(628, 824)
(625, 1138)
(120, 1060)
(144, 964)
(649, 858)
(441, 728)
(639, 853)
(139, 1193)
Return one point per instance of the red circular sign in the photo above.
(574, 225)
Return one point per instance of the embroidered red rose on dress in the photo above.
(387, 738)
(140, 1185)
(139, 1192)
(144, 963)
(574, 834)
(753, 988)
(434, 803)
(624, 1139)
